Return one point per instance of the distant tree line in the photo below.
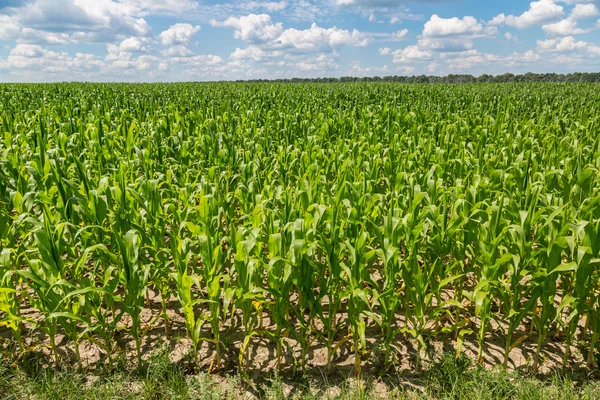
(452, 78)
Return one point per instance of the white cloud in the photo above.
(165, 7)
(482, 61)
(319, 39)
(105, 16)
(75, 21)
(270, 6)
(472, 59)
(510, 36)
(38, 59)
(356, 69)
(565, 44)
(117, 57)
(9, 29)
(368, 3)
(530, 55)
(252, 27)
(593, 50)
(406, 70)
(573, 2)
(372, 18)
(134, 44)
(402, 14)
(566, 59)
(467, 26)
(499, 19)
(442, 38)
(260, 30)
(178, 34)
(583, 11)
(249, 53)
(323, 62)
(411, 54)
(177, 51)
(539, 12)
(565, 27)
(452, 34)
(145, 62)
(199, 60)
(399, 35)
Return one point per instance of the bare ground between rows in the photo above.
(261, 361)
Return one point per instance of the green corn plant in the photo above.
(279, 285)
(185, 281)
(212, 256)
(9, 302)
(516, 285)
(389, 296)
(46, 275)
(133, 278)
(358, 293)
(247, 267)
(493, 264)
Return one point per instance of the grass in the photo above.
(159, 378)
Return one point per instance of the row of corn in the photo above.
(312, 214)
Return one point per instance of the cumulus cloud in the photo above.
(178, 34)
(318, 39)
(399, 35)
(322, 62)
(199, 60)
(252, 27)
(260, 30)
(406, 70)
(565, 44)
(467, 26)
(100, 16)
(565, 27)
(134, 44)
(249, 53)
(356, 69)
(539, 12)
(36, 58)
(177, 51)
(583, 11)
(450, 35)
(9, 28)
(82, 21)
(410, 54)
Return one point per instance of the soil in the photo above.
(261, 361)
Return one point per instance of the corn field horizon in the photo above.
(351, 216)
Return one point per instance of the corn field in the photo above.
(346, 216)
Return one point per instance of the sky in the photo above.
(205, 40)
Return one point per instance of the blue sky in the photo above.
(183, 40)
